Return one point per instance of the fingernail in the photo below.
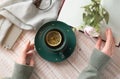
(31, 52)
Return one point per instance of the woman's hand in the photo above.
(26, 56)
(109, 45)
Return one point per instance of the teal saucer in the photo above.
(55, 41)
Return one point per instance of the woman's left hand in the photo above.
(26, 56)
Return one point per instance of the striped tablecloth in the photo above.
(68, 69)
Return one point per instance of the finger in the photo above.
(98, 44)
(109, 37)
(28, 58)
(27, 47)
(25, 50)
(109, 43)
(31, 47)
(32, 62)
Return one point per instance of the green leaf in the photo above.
(97, 27)
(88, 19)
(98, 18)
(106, 16)
(88, 10)
(85, 18)
(87, 6)
(95, 1)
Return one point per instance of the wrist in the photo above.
(98, 59)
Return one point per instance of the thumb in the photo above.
(31, 57)
(98, 44)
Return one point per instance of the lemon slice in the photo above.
(53, 38)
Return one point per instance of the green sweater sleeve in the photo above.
(21, 72)
(96, 63)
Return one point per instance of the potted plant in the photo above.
(93, 15)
